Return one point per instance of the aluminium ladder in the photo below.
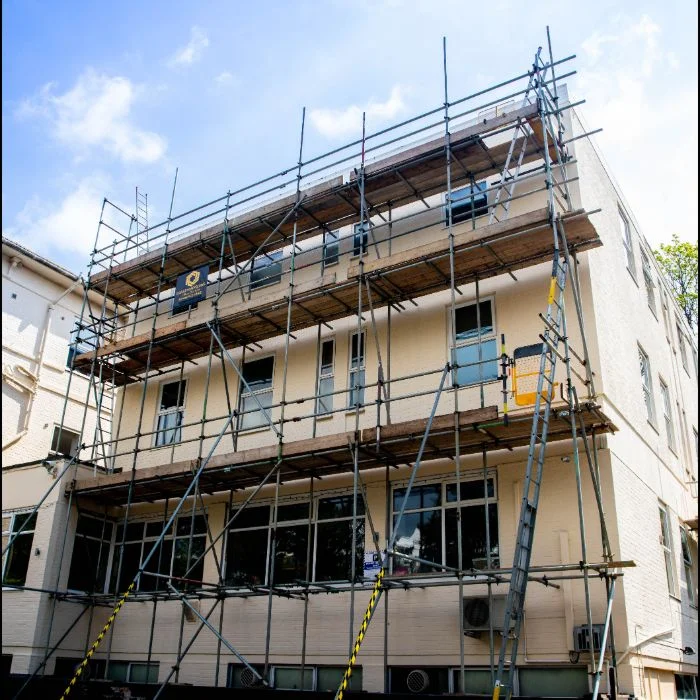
(533, 473)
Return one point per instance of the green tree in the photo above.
(679, 262)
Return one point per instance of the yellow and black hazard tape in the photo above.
(97, 642)
(361, 635)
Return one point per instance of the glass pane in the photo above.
(328, 678)
(154, 529)
(339, 507)
(473, 536)
(17, 560)
(130, 565)
(160, 564)
(327, 357)
(325, 395)
(252, 517)
(475, 681)
(184, 525)
(330, 249)
(172, 396)
(21, 519)
(467, 357)
(357, 388)
(419, 535)
(469, 490)
(354, 356)
(246, 557)
(169, 430)
(293, 511)
(252, 416)
(290, 678)
(134, 532)
(144, 673)
(466, 321)
(267, 269)
(181, 563)
(553, 682)
(91, 527)
(118, 670)
(290, 554)
(420, 497)
(334, 550)
(258, 373)
(88, 565)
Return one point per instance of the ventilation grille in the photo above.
(582, 638)
(417, 680)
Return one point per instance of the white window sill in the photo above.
(325, 416)
(352, 411)
(357, 257)
(254, 431)
(172, 444)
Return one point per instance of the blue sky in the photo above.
(100, 97)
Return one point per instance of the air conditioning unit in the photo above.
(582, 638)
(477, 615)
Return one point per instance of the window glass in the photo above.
(648, 283)
(473, 536)
(267, 269)
(325, 377)
(627, 241)
(359, 238)
(419, 537)
(246, 557)
(667, 549)
(356, 380)
(334, 550)
(685, 688)
(469, 490)
(258, 374)
(252, 516)
(16, 559)
(290, 678)
(91, 553)
(338, 507)
(467, 322)
(330, 248)
(328, 678)
(468, 202)
(553, 682)
(172, 395)
(475, 681)
(645, 371)
(290, 553)
(171, 413)
(476, 352)
(421, 496)
(64, 441)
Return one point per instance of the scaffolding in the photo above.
(513, 131)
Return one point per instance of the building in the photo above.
(348, 388)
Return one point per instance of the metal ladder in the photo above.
(533, 474)
(141, 220)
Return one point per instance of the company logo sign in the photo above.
(190, 289)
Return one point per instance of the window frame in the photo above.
(160, 413)
(324, 402)
(473, 193)
(312, 520)
(63, 430)
(261, 264)
(667, 415)
(627, 242)
(361, 369)
(647, 386)
(76, 344)
(102, 540)
(8, 533)
(648, 283)
(666, 543)
(681, 347)
(687, 564)
(149, 666)
(361, 230)
(243, 394)
(447, 505)
(331, 239)
(481, 338)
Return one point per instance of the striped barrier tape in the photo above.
(97, 642)
(361, 635)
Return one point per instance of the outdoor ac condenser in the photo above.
(477, 614)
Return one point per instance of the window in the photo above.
(428, 529)
(170, 559)
(81, 341)
(648, 283)
(475, 351)
(627, 242)
(319, 678)
(664, 308)
(133, 671)
(15, 561)
(356, 374)
(250, 539)
(553, 682)
(67, 666)
(666, 402)
(324, 403)
(330, 248)
(681, 347)
(256, 398)
(467, 203)
(91, 554)
(7, 660)
(266, 269)
(64, 442)
(687, 561)
(665, 540)
(360, 233)
(686, 688)
(647, 388)
(170, 413)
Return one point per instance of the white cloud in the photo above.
(68, 226)
(192, 51)
(96, 112)
(334, 123)
(649, 121)
(224, 78)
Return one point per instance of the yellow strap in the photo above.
(97, 642)
(363, 629)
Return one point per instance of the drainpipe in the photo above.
(39, 359)
(646, 640)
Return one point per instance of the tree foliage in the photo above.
(679, 262)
